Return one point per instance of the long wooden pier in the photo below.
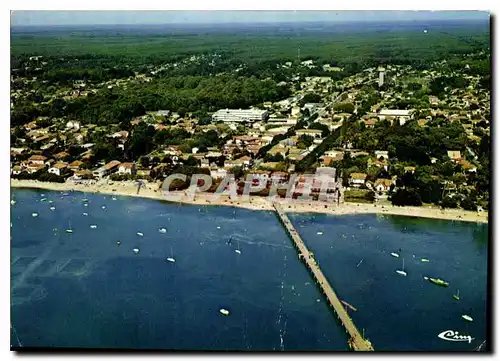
(356, 341)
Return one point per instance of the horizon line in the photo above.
(259, 22)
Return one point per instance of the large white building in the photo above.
(240, 115)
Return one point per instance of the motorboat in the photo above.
(424, 260)
(34, 214)
(93, 226)
(171, 259)
(52, 208)
(402, 271)
(136, 250)
(437, 281)
(393, 254)
(140, 234)
(457, 296)
(467, 318)
(162, 230)
(12, 202)
(224, 311)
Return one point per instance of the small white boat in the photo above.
(34, 214)
(320, 233)
(114, 198)
(170, 259)
(103, 207)
(43, 195)
(12, 202)
(402, 271)
(64, 194)
(467, 318)
(218, 227)
(85, 204)
(140, 234)
(118, 242)
(43, 199)
(52, 208)
(50, 202)
(424, 260)
(85, 214)
(69, 230)
(93, 226)
(224, 311)
(393, 254)
(237, 251)
(136, 250)
(85, 200)
(162, 230)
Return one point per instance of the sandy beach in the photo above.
(153, 191)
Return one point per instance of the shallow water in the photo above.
(84, 290)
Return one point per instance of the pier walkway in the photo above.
(356, 341)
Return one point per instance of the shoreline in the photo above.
(151, 191)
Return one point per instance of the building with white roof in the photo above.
(240, 115)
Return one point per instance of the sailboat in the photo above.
(171, 258)
(457, 296)
(402, 271)
(69, 230)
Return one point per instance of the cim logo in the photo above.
(450, 335)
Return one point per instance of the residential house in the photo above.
(454, 155)
(382, 153)
(382, 185)
(373, 162)
(59, 168)
(127, 168)
(409, 169)
(357, 179)
(75, 165)
(73, 125)
(32, 168)
(370, 123)
(37, 159)
(16, 170)
(61, 156)
(82, 174)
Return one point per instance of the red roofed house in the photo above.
(58, 168)
(127, 168)
(37, 159)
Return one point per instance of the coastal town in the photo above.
(391, 134)
(259, 178)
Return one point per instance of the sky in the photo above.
(49, 17)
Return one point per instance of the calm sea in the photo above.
(90, 289)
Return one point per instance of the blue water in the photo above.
(85, 290)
